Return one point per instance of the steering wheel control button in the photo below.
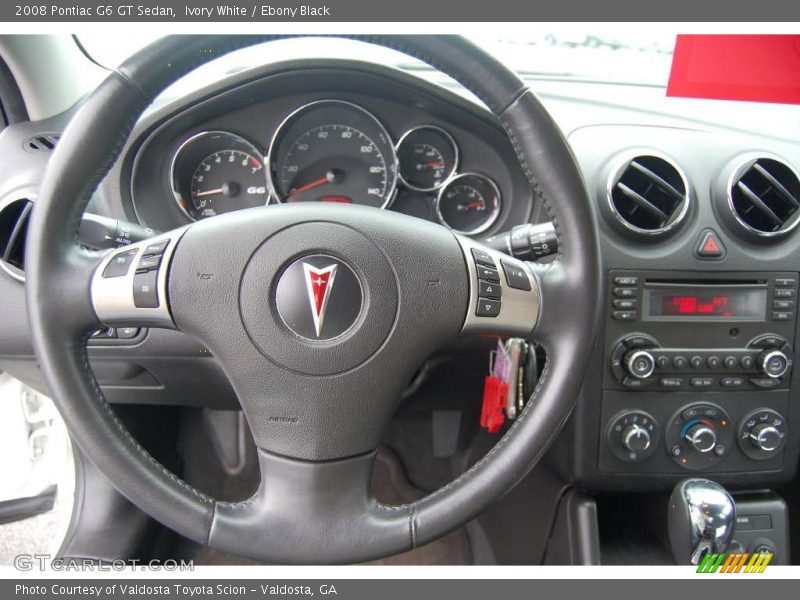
(487, 308)
(488, 273)
(156, 248)
(487, 289)
(709, 246)
(148, 263)
(483, 258)
(319, 297)
(516, 276)
(145, 289)
(632, 435)
(762, 433)
(120, 264)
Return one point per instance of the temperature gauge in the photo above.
(428, 156)
(469, 203)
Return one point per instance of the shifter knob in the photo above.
(702, 518)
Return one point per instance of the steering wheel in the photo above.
(323, 314)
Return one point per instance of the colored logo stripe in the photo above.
(734, 562)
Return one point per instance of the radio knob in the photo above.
(773, 363)
(701, 438)
(765, 437)
(636, 439)
(639, 364)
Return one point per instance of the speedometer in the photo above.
(333, 151)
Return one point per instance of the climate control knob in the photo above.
(701, 438)
(639, 363)
(773, 363)
(765, 437)
(636, 439)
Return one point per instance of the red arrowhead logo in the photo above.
(319, 283)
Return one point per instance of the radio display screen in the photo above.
(702, 302)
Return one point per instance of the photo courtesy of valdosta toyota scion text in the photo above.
(389, 300)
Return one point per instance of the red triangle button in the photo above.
(709, 246)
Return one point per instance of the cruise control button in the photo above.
(148, 263)
(487, 273)
(482, 257)
(487, 307)
(516, 277)
(145, 292)
(127, 333)
(729, 382)
(157, 248)
(120, 264)
(487, 289)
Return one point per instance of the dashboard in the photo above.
(698, 344)
(312, 134)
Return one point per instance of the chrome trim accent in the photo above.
(453, 145)
(24, 193)
(621, 163)
(633, 356)
(192, 139)
(112, 297)
(519, 310)
(763, 361)
(745, 162)
(492, 217)
(279, 130)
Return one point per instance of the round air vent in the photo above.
(14, 217)
(648, 195)
(763, 196)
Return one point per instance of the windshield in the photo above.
(611, 54)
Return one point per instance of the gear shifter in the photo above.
(702, 518)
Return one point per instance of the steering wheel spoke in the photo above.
(129, 285)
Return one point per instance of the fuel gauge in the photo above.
(428, 155)
(469, 203)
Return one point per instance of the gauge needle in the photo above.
(474, 204)
(310, 186)
(210, 192)
(433, 165)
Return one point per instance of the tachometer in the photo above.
(333, 151)
(469, 203)
(217, 172)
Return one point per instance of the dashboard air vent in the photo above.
(764, 195)
(45, 141)
(13, 230)
(649, 195)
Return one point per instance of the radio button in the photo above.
(662, 362)
(702, 381)
(624, 315)
(679, 362)
(747, 362)
(627, 281)
(696, 362)
(730, 382)
(623, 292)
(783, 304)
(630, 382)
(730, 362)
(765, 382)
(671, 382)
(784, 293)
(781, 316)
(784, 282)
(625, 303)
(713, 362)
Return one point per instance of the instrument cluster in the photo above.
(337, 152)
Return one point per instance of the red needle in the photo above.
(474, 204)
(209, 192)
(433, 165)
(310, 186)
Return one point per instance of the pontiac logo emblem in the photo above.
(309, 305)
(319, 283)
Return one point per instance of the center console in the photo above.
(697, 371)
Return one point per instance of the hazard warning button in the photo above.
(709, 246)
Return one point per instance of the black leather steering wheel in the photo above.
(316, 405)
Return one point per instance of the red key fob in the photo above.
(492, 411)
